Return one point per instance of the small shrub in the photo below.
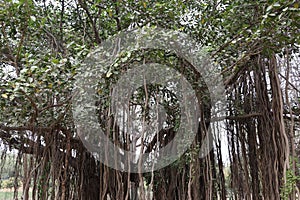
(8, 183)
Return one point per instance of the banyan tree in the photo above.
(252, 147)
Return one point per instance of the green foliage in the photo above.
(9, 183)
(291, 180)
(41, 47)
(6, 166)
(237, 30)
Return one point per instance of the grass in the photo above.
(8, 194)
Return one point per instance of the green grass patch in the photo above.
(6, 195)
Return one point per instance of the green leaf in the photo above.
(55, 61)
(4, 95)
